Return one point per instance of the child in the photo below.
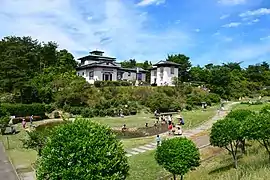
(158, 140)
(31, 120)
(170, 127)
(24, 123)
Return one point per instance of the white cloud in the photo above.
(265, 38)
(116, 27)
(232, 2)
(224, 16)
(150, 2)
(253, 21)
(258, 12)
(232, 24)
(197, 30)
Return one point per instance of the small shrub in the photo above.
(91, 152)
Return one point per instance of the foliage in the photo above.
(90, 151)
(37, 138)
(111, 83)
(23, 110)
(265, 109)
(178, 155)
(241, 115)
(258, 128)
(4, 121)
(226, 134)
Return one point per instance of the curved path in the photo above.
(200, 141)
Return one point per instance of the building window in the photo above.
(161, 70)
(139, 75)
(91, 75)
(155, 72)
(107, 63)
(172, 70)
(129, 73)
(82, 73)
(78, 74)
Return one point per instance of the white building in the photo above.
(96, 67)
(163, 73)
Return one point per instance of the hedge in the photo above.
(111, 83)
(23, 110)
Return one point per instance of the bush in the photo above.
(49, 108)
(91, 151)
(4, 121)
(265, 109)
(87, 113)
(111, 83)
(178, 156)
(23, 110)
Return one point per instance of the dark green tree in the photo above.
(178, 156)
(226, 134)
(82, 150)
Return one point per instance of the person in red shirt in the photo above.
(170, 127)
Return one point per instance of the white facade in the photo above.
(99, 68)
(164, 73)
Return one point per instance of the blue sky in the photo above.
(208, 31)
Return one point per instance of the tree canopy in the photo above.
(82, 150)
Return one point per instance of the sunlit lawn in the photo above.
(24, 157)
(250, 107)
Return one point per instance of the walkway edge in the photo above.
(9, 159)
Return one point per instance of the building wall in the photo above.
(98, 74)
(165, 77)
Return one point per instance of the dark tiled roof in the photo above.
(96, 57)
(164, 63)
(100, 64)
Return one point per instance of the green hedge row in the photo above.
(87, 112)
(111, 83)
(23, 110)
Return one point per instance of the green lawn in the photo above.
(23, 157)
(253, 166)
(192, 119)
(250, 107)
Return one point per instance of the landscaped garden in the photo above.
(49, 89)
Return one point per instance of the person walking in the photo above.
(158, 139)
(24, 123)
(31, 120)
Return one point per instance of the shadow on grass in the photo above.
(11, 133)
(221, 169)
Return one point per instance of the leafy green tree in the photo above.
(258, 128)
(226, 133)
(241, 115)
(178, 156)
(185, 65)
(4, 121)
(82, 150)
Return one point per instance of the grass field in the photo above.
(250, 107)
(254, 166)
(192, 119)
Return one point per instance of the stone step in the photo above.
(128, 155)
(138, 150)
(150, 146)
(146, 148)
(132, 152)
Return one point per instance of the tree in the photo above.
(225, 133)
(82, 150)
(241, 115)
(185, 65)
(258, 128)
(129, 64)
(178, 156)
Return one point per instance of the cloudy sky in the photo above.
(208, 31)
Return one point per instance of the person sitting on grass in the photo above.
(158, 139)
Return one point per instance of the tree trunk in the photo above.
(265, 143)
(235, 160)
(243, 146)
(174, 177)
(182, 177)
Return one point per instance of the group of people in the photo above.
(173, 129)
(24, 122)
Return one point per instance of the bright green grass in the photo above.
(192, 119)
(250, 107)
(254, 166)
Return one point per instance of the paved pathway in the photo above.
(199, 141)
(6, 170)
